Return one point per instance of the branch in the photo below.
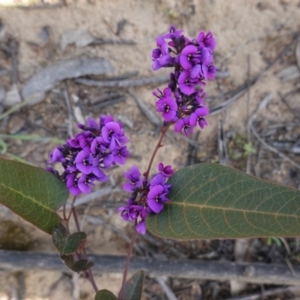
(260, 273)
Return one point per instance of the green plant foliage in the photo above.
(211, 201)
(67, 243)
(105, 295)
(134, 286)
(32, 193)
(68, 260)
(82, 265)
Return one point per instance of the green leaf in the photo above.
(82, 265)
(210, 201)
(67, 243)
(32, 193)
(105, 295)
(68, 260)
(134, 286)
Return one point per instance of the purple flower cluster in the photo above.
(146, 196)
(84, 157)
(182, 102)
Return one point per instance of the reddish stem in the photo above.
(163, 132)
(65, 213)
(121, 294)
(88, 273)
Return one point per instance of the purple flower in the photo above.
(86, 182)
(56, 156)
(105, 119)
(86, 155)
(92, 124)
(133, 175)
(197, 117)
(211, 72)
(157, 179)
(166, 171)
(97, 171)
(156, 199)
(187, 83)
(113, 134)
(74, 142)
(186, 57)
(125, 212)
(185, 125)
(168, 107)
(161, 56)
(134, 213)
(160, 180)
(85, 139)
(206, 40)
(84, 162)
(193, 65)
(141, 227)
(173, 33)
(120, 155)
(98, 145)
(72, 184)
(130, 212)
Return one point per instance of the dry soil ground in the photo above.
(256, 41)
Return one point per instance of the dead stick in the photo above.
(260, 273)
(124, 83)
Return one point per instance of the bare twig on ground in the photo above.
(124, 83)
(275, 274)
(169, 293)
(297, 53)
(284, 100)
(151, 116)
(124, 76)
(254, 38)
(248, 165)
(244, 87)
(263, 104)
(108, 102)
(70, 115)
(289, 264)
(13, 45)
(101, 41)
(94, 196)
(222, 146)
(37, 7)
(192, 151)
(219, 108)
(272, 292)
(14, 108)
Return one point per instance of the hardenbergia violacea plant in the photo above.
(203, 201)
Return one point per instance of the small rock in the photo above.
(12, 97)
(289, 73)
(81, 38)
(15, 124)
(78, 115)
